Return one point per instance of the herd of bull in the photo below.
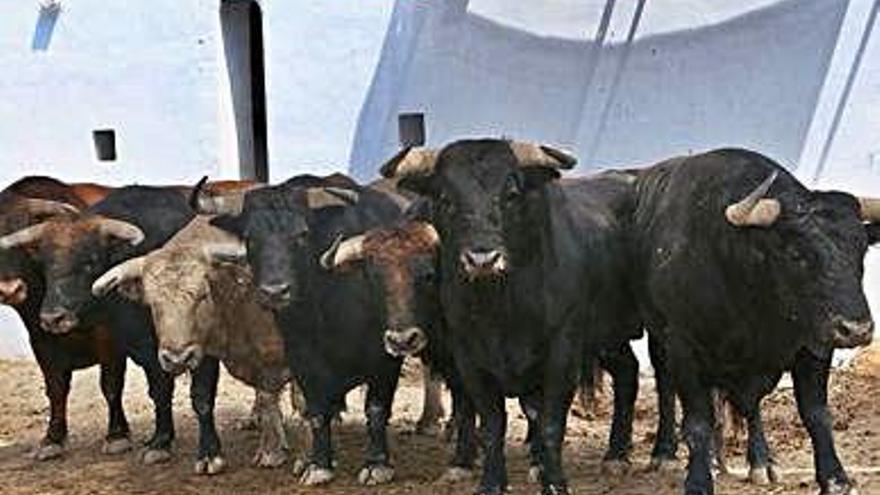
(505, 279)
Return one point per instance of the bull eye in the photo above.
(512, 188)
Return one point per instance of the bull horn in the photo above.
(117, 276)
(754, 210)
(870, 209)
(225, 252)
(430, 233)
(343, 251)
(535, 155)
(229, 201)
(410, 162)
(46, 208)
(23, 237)
(323, 197)
(196, 193)
(121, 230)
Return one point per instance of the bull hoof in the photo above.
(555, 490)
(248, 424)
(534, 476)
(615, 467)
(270, 458)
(763, 475)
(376, 474)
(156, 456)
(663, 464)
(429, 428)
(312, 475)
(495, 490)
(210, 466)
(839, 488)
(47, 451)
(456, 474)
(116, 446)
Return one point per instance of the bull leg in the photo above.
(532, 406)
(112, 384)
(161, 391)
(665, 442)
(696, 399)
(432, 406)
(560, 381)
(623, 366)
(321, 406)
(380, 396)
(493, 416)
(203, 394)
(464, 421)
(810, 376)
(720, 403)
(297, 401)
(57, 390)
(273, 448)
(761, 470)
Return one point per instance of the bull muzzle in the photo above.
(13, 291)
(407, 342)
(848, 333)
(276, 296)
(483, 263)
(58, 321)
(176, 361)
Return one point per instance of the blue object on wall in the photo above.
(45, 27)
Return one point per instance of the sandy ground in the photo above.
(418, 460)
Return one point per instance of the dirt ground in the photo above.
(418, 460)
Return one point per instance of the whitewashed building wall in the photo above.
(621, 82)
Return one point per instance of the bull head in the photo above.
(754, 210)
(123, 278)
(421, 162)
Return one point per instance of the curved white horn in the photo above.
(410, 162)
(229, 252)
(118, 275)
(870, 209)
(536, 155)
(22, 237)
(343, 251)
(121, 230)
(754, 210)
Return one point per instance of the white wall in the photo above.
(147, 69)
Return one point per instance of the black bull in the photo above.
(745, 273)
(532, 272)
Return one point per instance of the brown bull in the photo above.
(203, 309)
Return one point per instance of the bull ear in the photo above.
(228, 223)
(225, 252)
(343, 252)
(323, 197)
(873, 232)
(124, 279)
